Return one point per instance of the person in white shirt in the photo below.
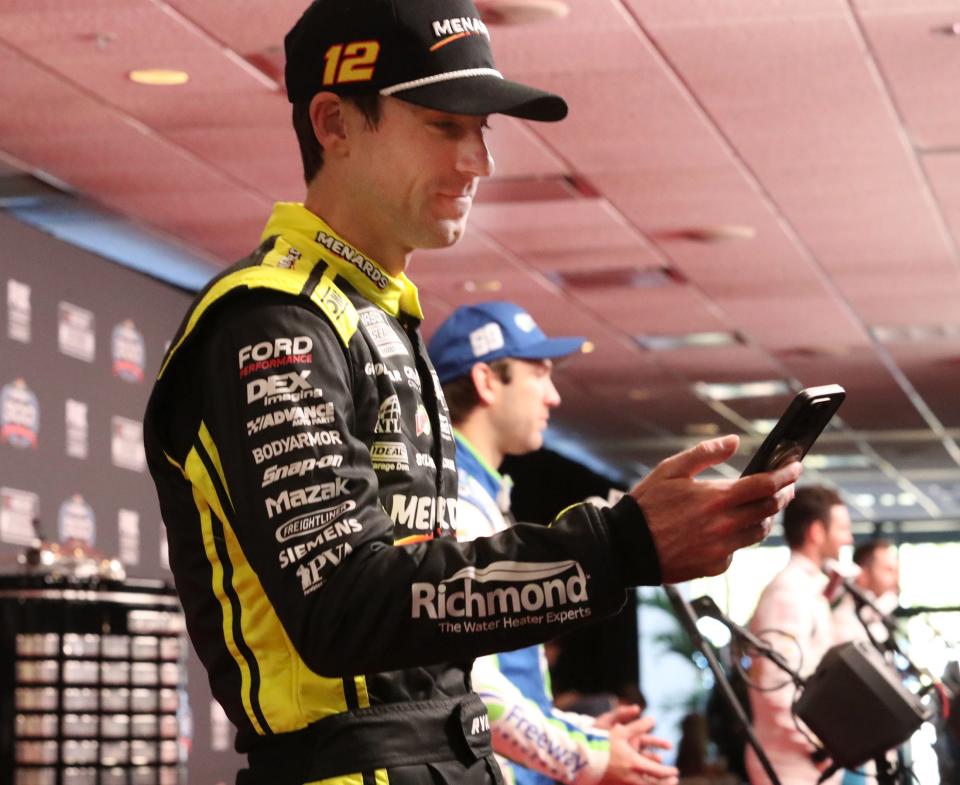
(794, 616)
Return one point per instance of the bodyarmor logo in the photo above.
(388, 421)
(296, 441)
(19, 415)
(526, 587)
(129, 352)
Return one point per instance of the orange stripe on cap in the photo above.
(414, 538)
(448, 40)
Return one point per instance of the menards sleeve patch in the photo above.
(338, 308)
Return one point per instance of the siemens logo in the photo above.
(527, 587)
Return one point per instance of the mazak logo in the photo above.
(314, 521)
(296, 416)
(19, 415)
(388, 419)
(524, 587)
(129, 352)
(269, 355)
(357, 259)
(282, 388)
(450, 30)
(301, 497)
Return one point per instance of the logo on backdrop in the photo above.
(18, 311)
(126, 444)
(19, 415)
(76, 521)
(75, 332)
(18, 511)
(77, 429)
(129, 352)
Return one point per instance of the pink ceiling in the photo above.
(827, 129)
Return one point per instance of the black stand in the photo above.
(688, 620)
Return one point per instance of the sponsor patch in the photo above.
(413, 378)
(388, 419)
(504, 594)
(377, 276)
(423, 513)
(301, 497)
(303, 525)
(296, 416)
(382, 334)
(422, 420)
(282, 388)
(299, 468)
(311, 574)
(389, 457)
(379, 369)
(329, 533)
(445, 431)
(293, 442)
(278, 353)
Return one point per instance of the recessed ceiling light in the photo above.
(588, 347)
(639, 394)
(729, 392)
(702, 429)
(520, 12)
(914, 333)
(617, 278)
(950, 29)
(661, 343)
(159, 76)
(709, 234)
(482, 286)
(847, 461)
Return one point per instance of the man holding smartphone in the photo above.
(302, 451)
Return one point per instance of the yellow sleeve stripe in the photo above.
(206, 501)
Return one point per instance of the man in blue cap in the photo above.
(495, 365)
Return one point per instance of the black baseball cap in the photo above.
(433, 53)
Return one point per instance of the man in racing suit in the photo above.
(302, 451)
(500, 393)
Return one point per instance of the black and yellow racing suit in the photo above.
(304, 462)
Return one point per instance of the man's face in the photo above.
(521, 410)
(837, 532)
(881, 574)
(416, 174)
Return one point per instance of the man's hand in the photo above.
(698, 524)
(617, 716)
(630, 763)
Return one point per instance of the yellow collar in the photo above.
(315, 240)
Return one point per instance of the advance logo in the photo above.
(537, 592)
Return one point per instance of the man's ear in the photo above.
(486, 382)
(817, 532)
(326, 116)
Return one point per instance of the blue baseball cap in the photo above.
(491, 331)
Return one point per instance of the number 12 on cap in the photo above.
(351, 62)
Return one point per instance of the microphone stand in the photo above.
(688, 620)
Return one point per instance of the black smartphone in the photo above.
(798, 428)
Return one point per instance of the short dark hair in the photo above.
(311, 151)
(863, 554)
(461, 394)
(811, 503)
